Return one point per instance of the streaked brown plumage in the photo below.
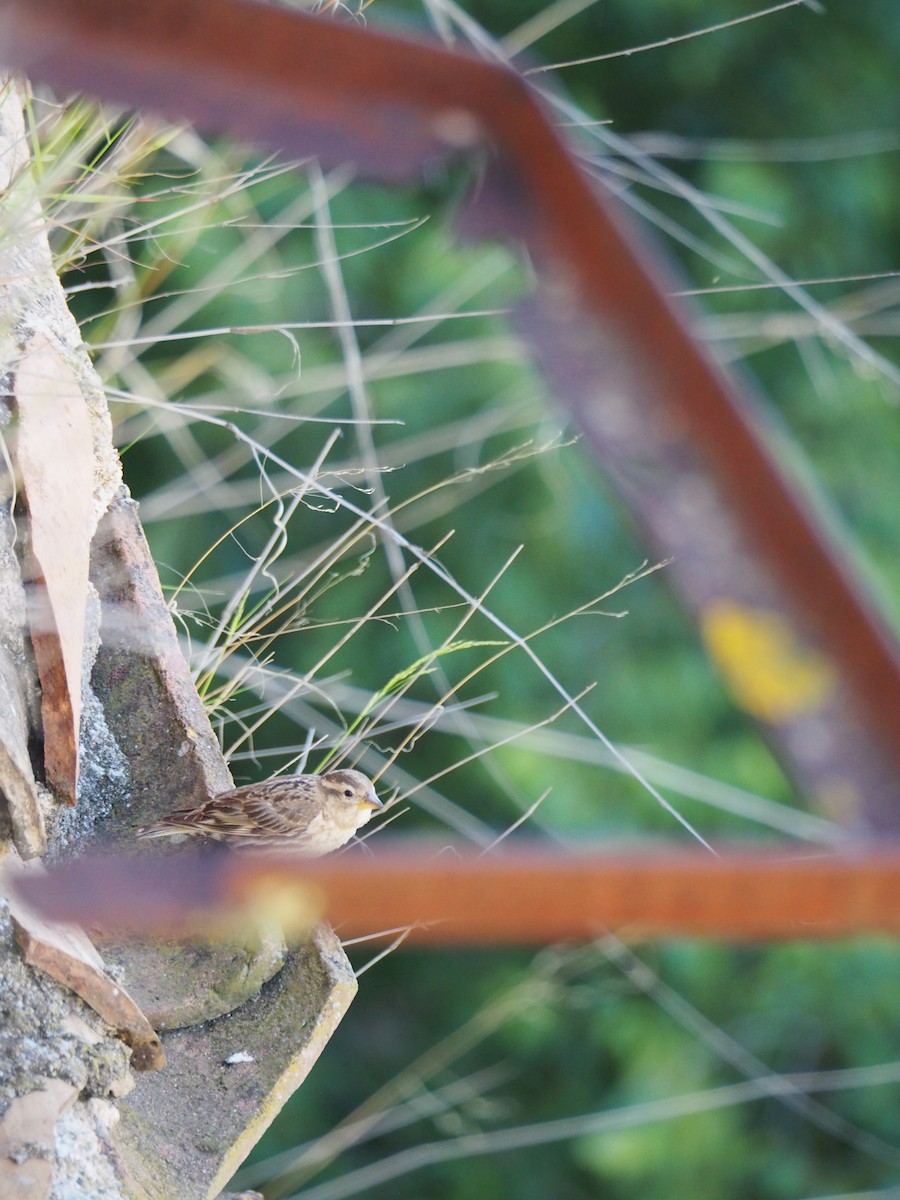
(307, 815)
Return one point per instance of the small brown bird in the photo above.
(309, 815)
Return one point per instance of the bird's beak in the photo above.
(371, 801)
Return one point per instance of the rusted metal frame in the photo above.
(777, 605)
(523, 894)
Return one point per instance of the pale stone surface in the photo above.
(185, 1130)
(180, 984)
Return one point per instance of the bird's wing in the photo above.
(259, 816)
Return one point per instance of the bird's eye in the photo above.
(348, 792)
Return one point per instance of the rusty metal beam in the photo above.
(780, 611)
(522, 894)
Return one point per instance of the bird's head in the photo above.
(351, 791)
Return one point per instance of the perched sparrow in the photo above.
(308, 815)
